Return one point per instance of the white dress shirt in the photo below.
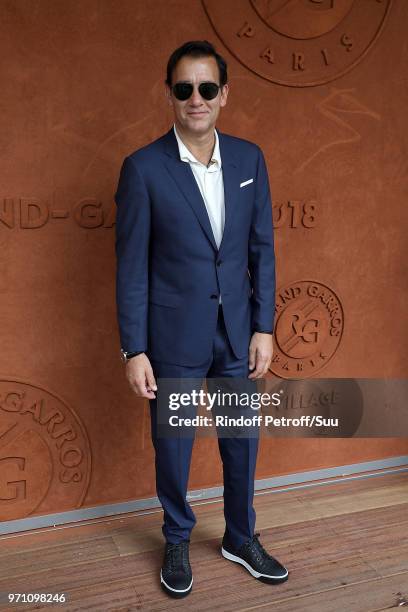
(210, 183)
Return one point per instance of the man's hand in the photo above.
(260, 354)
(140, 375)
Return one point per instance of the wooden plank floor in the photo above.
(345, 545)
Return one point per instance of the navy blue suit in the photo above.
(169, 277)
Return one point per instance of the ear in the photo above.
(168, 95)
(224, 95)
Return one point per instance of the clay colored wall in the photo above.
(320, 86)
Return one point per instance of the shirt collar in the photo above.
(187, 156)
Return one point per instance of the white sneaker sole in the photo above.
(251, 570)
(176, 591)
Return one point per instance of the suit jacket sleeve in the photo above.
(261, 253)
(132, 257)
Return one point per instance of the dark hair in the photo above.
(196, 48)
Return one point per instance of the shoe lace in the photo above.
(177, 556)
(257, 549)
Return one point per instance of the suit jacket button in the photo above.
(219, 262)
(213, 296)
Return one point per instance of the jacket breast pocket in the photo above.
(162, 298)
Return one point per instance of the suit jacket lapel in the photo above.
(184, 178)
(231, 185)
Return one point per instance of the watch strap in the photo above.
(126, 355)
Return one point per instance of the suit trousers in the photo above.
(173, 454)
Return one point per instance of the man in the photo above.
(196, 293)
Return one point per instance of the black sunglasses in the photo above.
(207, 89)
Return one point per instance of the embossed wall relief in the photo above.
(298, 43)
(45, 455)
(309, 323)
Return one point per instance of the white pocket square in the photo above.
(246, 182)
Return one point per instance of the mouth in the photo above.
(198, 114)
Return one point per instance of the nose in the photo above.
(196, 99)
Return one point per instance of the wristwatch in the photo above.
(126, 355)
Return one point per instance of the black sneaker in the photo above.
(176, 577)
(256, 560)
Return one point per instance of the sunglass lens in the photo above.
(208, 91)
(182, 91)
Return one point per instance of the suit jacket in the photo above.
(169, 270)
